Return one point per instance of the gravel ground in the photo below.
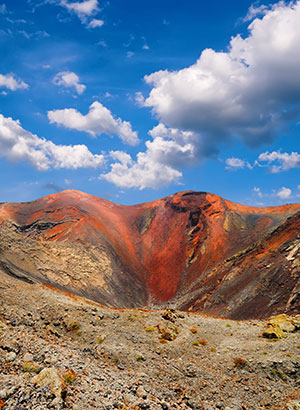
(58, 351)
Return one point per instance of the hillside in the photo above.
(59, 351)
(193, 251)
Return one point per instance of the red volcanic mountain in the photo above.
(192, 250)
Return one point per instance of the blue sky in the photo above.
(135, 100)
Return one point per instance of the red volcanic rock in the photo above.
(193, 250)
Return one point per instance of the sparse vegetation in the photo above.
(281, 375)
(193, 330)
(2, 403)
(30, 367)
(74, 326)
(69, 377)
(149, 329)
(101, 340)
(140, 358)
(228, 325)
(278, 373)
(200, 343)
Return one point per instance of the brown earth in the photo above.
(192, 251)
(60, 351)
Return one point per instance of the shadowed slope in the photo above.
(172, 249)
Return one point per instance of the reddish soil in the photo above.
(193, 249)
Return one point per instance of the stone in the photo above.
(28, 357)
(10, 357)
(51, 379)
(140, 392)
(279, 325)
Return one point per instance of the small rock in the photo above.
(140, 392)
(50, 378)
(28, 357)
(10, 357)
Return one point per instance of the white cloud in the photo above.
(129, 54)
(171, 146)
(82, 9)
(284, 160)
(155, 167)
(258, 192)
(69, 79)
(275, 161)
(95, 23)
(12, 83)
(249, 92)
(17, 21)
(255, 11)
(236, 163)
(17, 144)
(284, 193)
(37, 34)
(99, 120)
(102, 43)
(144, 173)
(139, 98)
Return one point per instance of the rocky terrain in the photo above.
(191, 251)
(187, 302)
(60, 351)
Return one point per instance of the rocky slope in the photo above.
(60, 351)
(194, 251)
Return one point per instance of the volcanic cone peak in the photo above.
(191, 250)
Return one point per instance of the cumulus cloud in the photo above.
(275, 161)
(145, 172)
(155, 167)
(82, 9)
(95, 23)
(251, 92)
(69, 79)
(283, 160)
(255, 11)
(236, 163)
(17, 144)
(284, 193)
(99, 120)
(11, 82)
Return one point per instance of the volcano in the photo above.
(193, 251)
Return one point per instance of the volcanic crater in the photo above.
(192, 251)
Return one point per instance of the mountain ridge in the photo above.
(182, 250)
